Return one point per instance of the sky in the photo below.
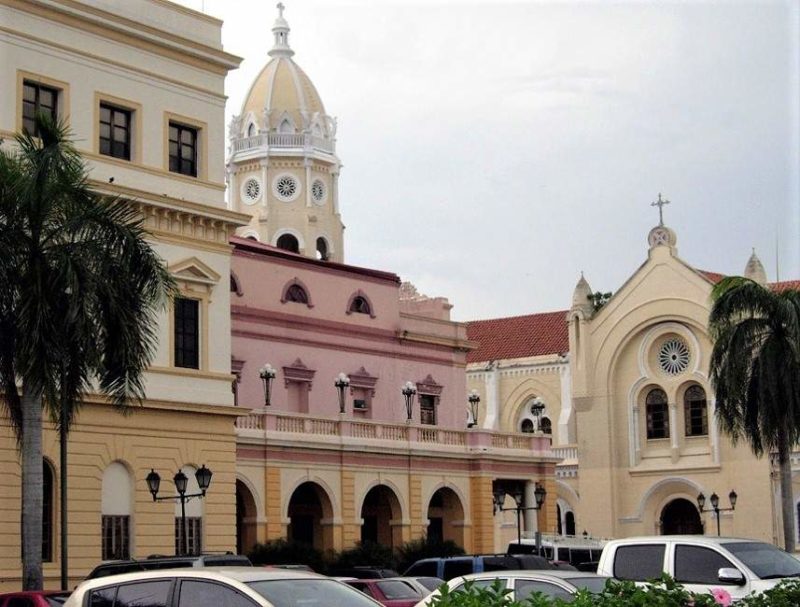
(494, 151)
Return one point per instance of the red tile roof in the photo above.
(519, 336)
(775, 286)
(714, 277)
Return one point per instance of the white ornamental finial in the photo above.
(281, 32)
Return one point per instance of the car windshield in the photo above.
(310, 593)
(765, 560)
(431, 583)
(397, 589)
(592, 584)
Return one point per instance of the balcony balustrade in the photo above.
(304, 141)
(304, 429)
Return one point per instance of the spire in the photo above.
(754, 270)
(580, 296)
(281, 32)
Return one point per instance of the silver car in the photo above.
(523, 583)
(218, 587)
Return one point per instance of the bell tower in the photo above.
(282, 167)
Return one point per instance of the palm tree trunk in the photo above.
(787, 499)
(32, 485)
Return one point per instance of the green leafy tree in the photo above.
(755, 371)
(81, 289)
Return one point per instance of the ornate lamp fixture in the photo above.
(537, 406)
(267, 374)
(701, 502)
(341, 383)
(474, 400)
(408, 392)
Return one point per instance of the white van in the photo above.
(701, 564)
(579, 552)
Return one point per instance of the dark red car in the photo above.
(390, 592)
(35, 598)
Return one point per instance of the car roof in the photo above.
(539, 573)
(239, 574)
(695, 539)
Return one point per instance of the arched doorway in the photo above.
(446, 517)
(379, 512)
(310, 515)
(680, 517)
(246, 517)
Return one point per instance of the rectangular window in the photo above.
(657, 421)
(427, 409)
(187, 333)
(194, 535)
(115, 131)
(182, 149)
(116, 537)
(37, 98)
(639, 563)
(696, 416)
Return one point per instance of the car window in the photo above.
(485, 583)
(499, 563)
(525, 588)
(194, 593)
(143, 594)
(765, 560)
(19, 601)
(698, 565)
(103, 597)
(579, 555)
(317, 592)
(397, 589)
(456, 567)
(431, 583)
(428, 568)
(592, 584)
(639, 562)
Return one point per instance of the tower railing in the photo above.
(305, 141)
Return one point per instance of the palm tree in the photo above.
(79, 303)
(755, 371)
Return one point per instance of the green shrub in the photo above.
(283, 552)
(785, 594)
(424, 548)
(365, 553)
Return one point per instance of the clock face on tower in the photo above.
(251, 190)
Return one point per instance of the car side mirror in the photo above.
(730, 575)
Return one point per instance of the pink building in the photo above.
(306, 470)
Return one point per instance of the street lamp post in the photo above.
(341, 383)
(408, 392)
(267, 374)
(474, 401)
(539, 493)
(537, 406)
(701, 502)
(203, 476)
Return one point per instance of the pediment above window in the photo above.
(194, 271)
(363, 380)
(298, 372)
(429, 386)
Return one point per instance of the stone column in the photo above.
(530, 517)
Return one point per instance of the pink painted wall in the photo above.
(328, 340)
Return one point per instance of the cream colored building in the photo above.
(628, 403)
(140, 83)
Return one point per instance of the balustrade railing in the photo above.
(300, 425)
(282, 140)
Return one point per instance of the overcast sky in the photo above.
(493, 151)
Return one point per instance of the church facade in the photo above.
(622, 388)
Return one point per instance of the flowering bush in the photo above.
(663, 592)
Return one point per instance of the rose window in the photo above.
(286, 187)
(673, 357)
(252, 189)
(318, 190)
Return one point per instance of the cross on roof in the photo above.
(280, 7)
(660, 204)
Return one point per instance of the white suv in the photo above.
(701, 564)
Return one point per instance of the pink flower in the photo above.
(721, 597)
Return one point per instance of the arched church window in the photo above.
(285, 127)
(322, 249)
(559, 527)
(547, 425)
(288, 242)
(527, 426)
(47, 512)
(360, 305)
(569, 523)
(657, 412)
(251, 130)
(695, 411)
(297, 294)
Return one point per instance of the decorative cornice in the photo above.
(297, 372)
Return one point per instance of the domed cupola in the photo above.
(282, 163)
(754, 270)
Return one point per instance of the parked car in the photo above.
(449, 567)
(363, 572)
(34, 598)
(391, 592)
(169, 562)
(573, 550)
(700, 563)
(553, 584)
(212, 587)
